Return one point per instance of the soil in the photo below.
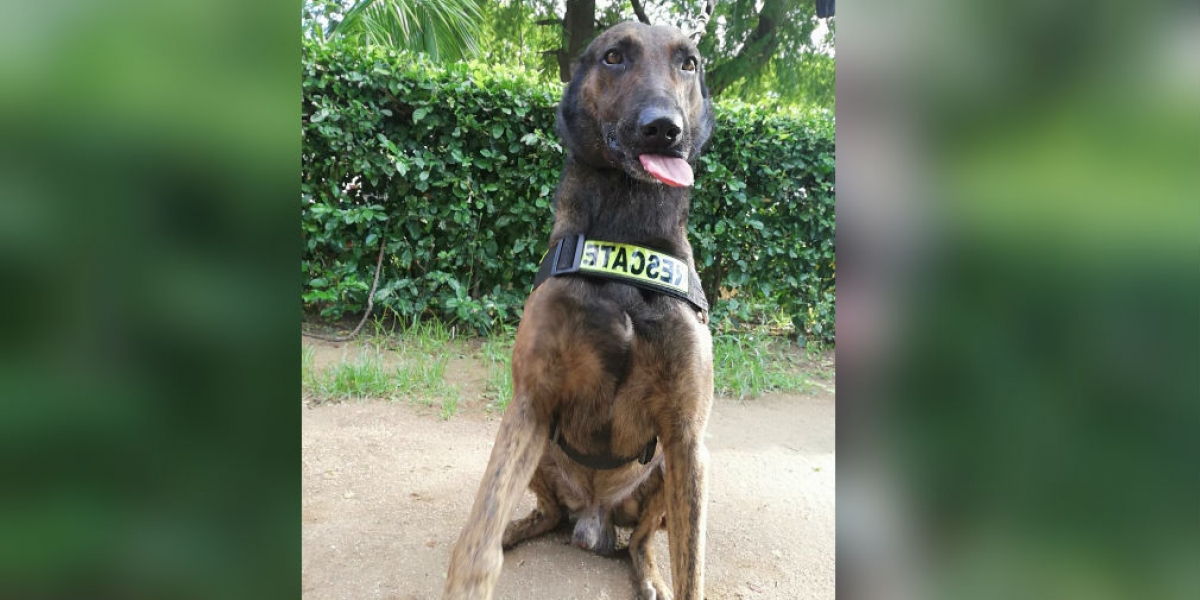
(387, 487)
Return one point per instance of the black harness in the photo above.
(635, 265)
(599, 462)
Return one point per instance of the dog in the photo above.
(612, 364)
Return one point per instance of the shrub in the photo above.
(453, 169)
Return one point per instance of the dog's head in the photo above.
(637, 102)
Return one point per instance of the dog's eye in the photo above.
(613, 57)
(689, 64)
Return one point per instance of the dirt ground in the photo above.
(387, 487)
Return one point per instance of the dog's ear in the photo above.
(569, 115)
(706, 122)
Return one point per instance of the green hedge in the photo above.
(453, 169)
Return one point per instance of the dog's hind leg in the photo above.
(477, 558)
(546, 516)
(647, 579)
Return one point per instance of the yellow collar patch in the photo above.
(636, 265)
(634, 262)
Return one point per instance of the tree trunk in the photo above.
(579, 27)
(757, 51)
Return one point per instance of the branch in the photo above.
(758, 49)
(549, 22)
(702, 21)
(640, 11)
(370, 303)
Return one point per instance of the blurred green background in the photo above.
(148, 243)
(1018, 367)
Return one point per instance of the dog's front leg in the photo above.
(686, 486)
(477, 558)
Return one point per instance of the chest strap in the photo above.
(599, 462)
(635, 265)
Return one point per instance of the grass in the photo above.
(362, 377)
(449, 407)
(307, 375)
(497, 351)
(417, 378)
(422, 378)
(424, 336)
(428, 336)
(421, 355)
(746, 365)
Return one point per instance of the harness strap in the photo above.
(599, 462)
(635, 265)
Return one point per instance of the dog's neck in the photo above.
(609, 205)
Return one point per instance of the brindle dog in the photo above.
(614, 365)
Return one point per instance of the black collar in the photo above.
(635, 265)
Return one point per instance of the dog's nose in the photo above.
(659, 127)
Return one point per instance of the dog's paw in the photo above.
(650, 590)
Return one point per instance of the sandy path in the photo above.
(387, 487)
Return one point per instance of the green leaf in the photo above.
(478, 212)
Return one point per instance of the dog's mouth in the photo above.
(671, 170)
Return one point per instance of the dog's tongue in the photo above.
(668, 169)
